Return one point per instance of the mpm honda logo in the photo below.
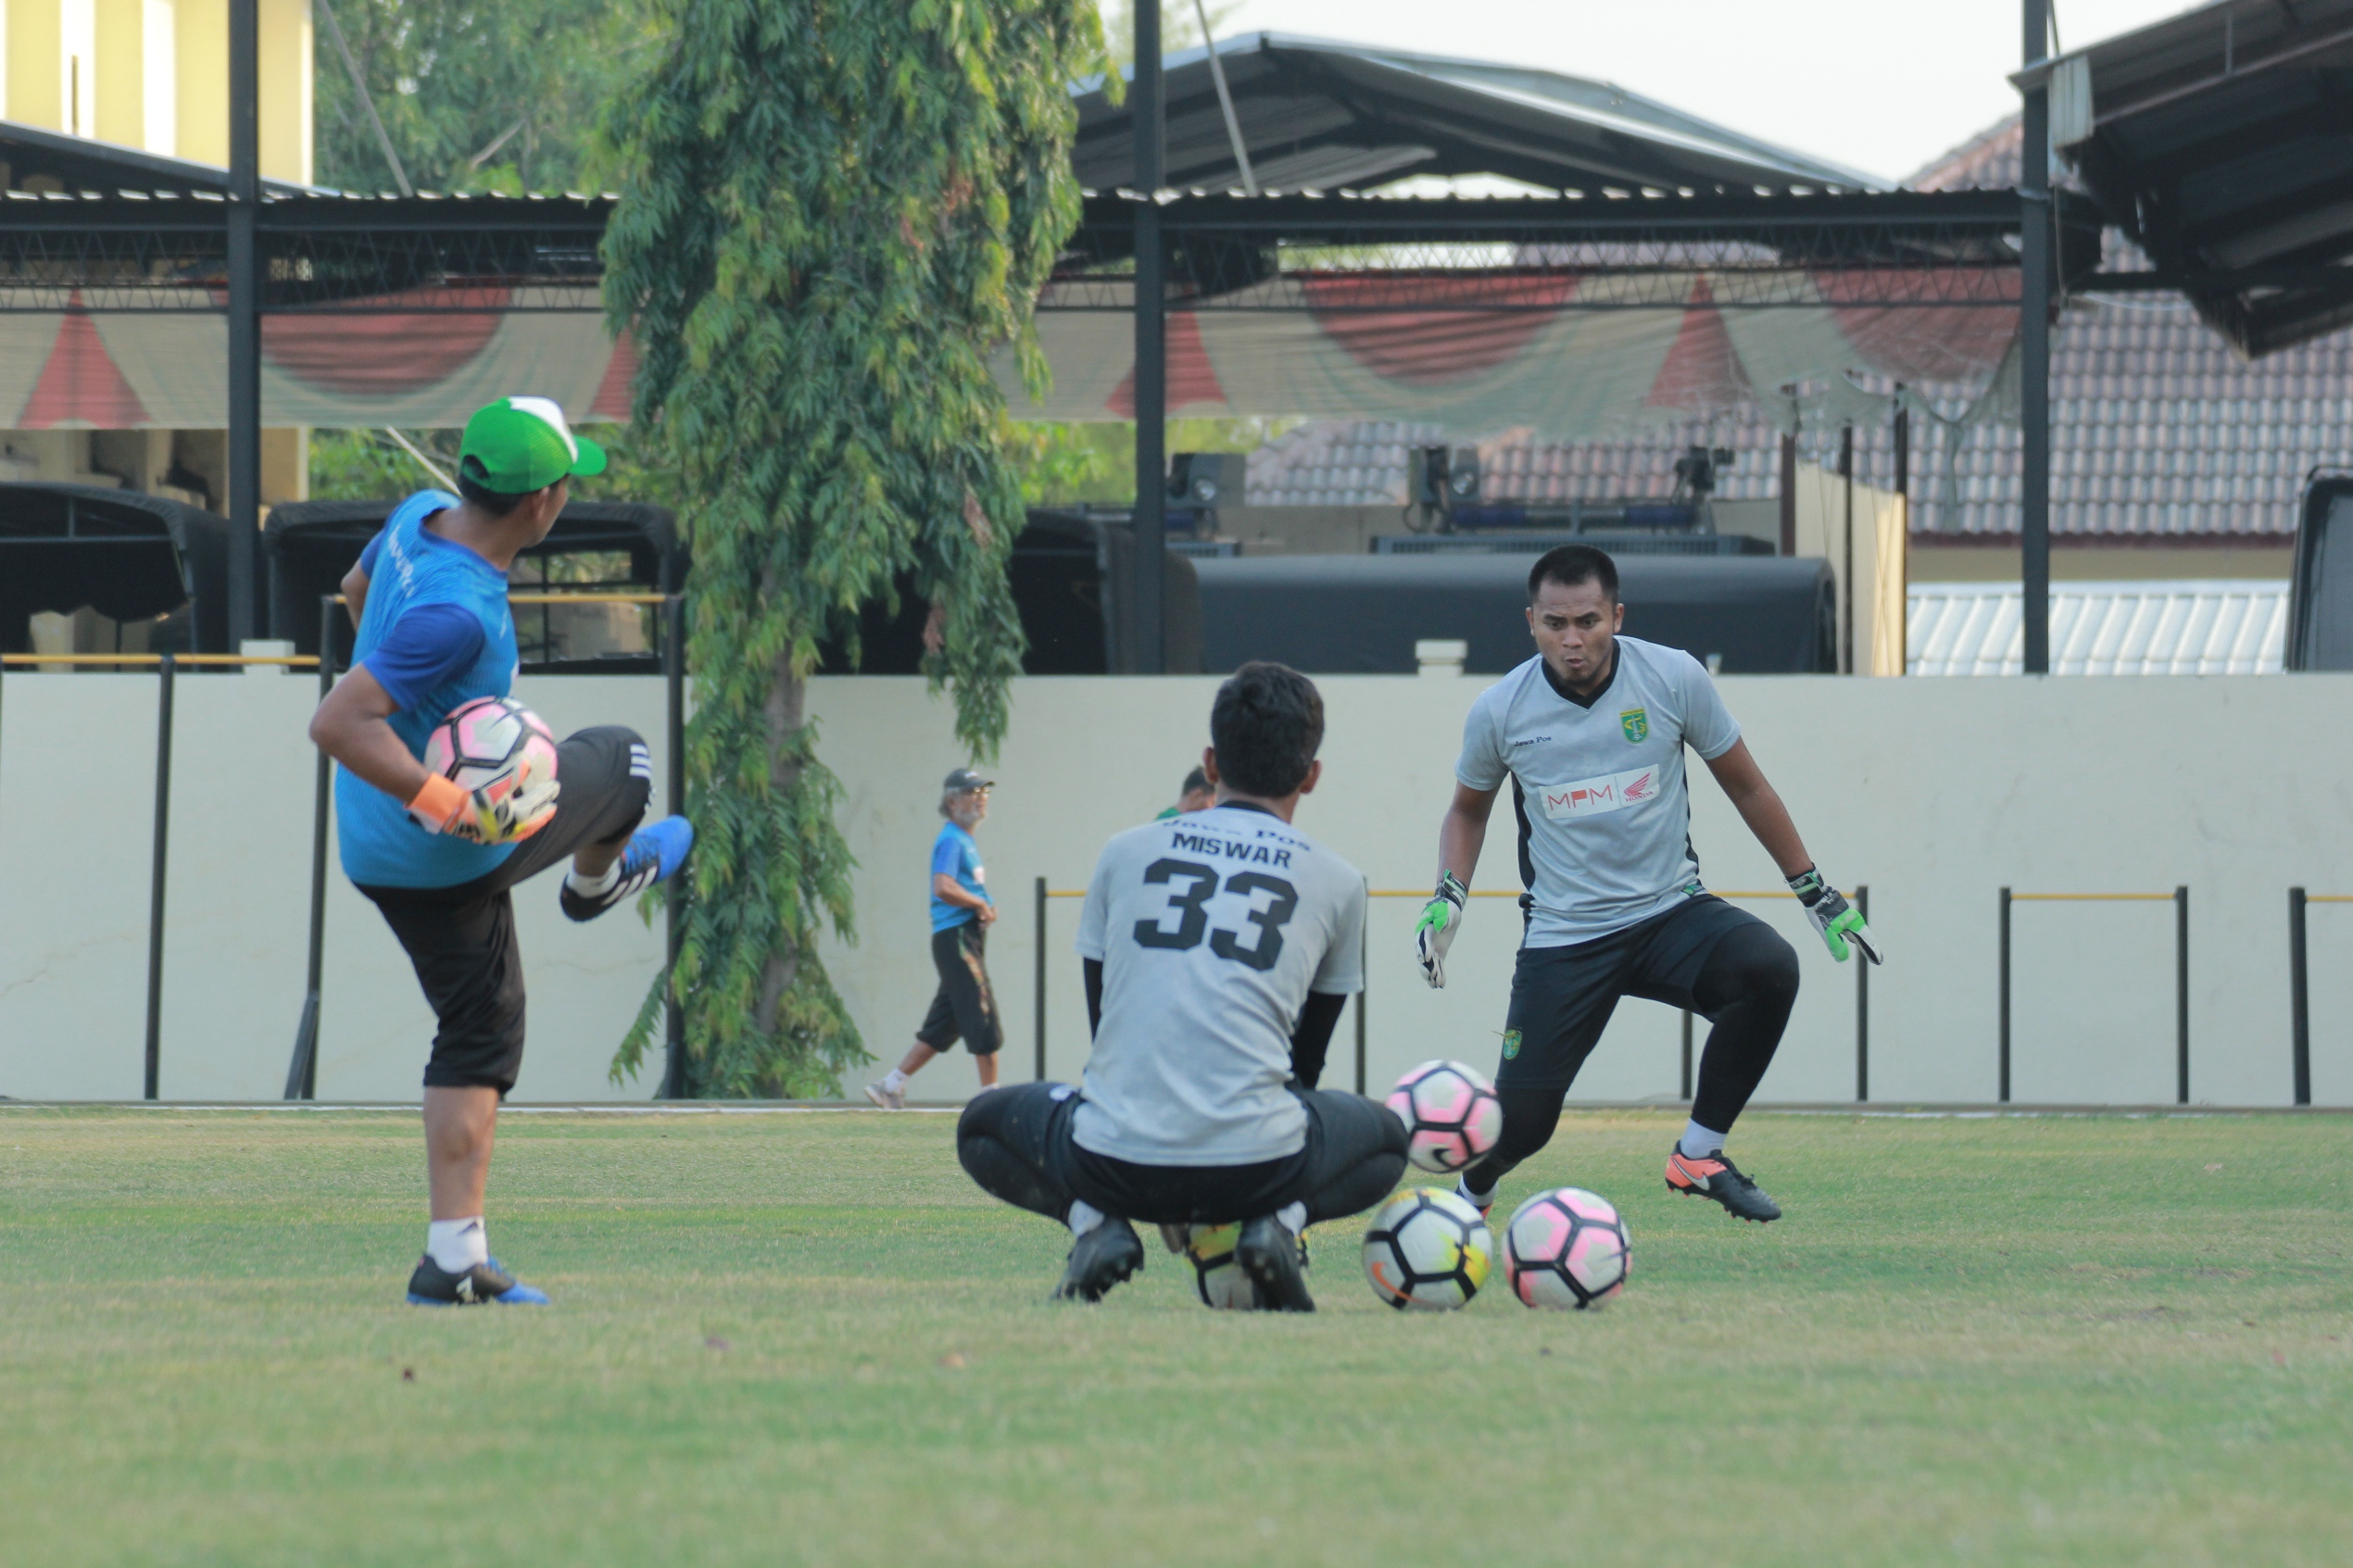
(1613, 792)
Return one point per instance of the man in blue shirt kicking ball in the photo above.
(962, 912)
(429, 597)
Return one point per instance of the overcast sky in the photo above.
(1879, 85)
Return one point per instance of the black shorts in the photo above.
(964, 1007)
(1562, 997)
(1017, 1144)
(462, 939)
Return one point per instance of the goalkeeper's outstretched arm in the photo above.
(1760, 807)
(1843, 929)
(1460, 837)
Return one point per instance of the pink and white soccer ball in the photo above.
(1566, 1248)
(1451, 1114)
(494, 744)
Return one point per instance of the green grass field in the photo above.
(806, 1339)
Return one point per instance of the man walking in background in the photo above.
(964, 1007)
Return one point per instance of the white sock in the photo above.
(458, 1245)
(591, 886)
(1471, 1195)
(1293, 1217)
(1084, 1217)
(1701, 1142)
(894, 1081)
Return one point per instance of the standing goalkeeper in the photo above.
(1591, 732)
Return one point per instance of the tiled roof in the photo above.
(2185, 628)
(2158, 430)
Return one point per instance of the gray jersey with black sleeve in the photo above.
(1212, 929)
(1605, 818)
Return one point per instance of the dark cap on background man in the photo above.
(964, 778)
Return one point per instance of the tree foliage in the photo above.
(474, 95)
(833, 213)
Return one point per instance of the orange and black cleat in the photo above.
(1715, 1176)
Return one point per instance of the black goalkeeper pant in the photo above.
(1722, 962)
(1017, 1143)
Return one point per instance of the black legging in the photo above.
(1746, 987)
(1017, 1143)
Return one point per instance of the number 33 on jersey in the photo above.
(1212, 929)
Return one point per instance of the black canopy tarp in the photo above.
(1362, 614)
(310, 545)
(128, 556)
(1072, 578)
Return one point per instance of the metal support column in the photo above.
(161, 853)
(1847, 549)
(302, 1069)
(1687, 1055)
(2034, 349)
(674, 1085)
(2300, 1000)
(1862, 1005)
(2180, 996)
(245, 317)
(2001, 1090)
(1151, 528)
(1038, 1012)
(1364, 985)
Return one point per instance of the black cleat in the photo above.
(1100, 1260)
(1268, 1253)
(1715, 1176)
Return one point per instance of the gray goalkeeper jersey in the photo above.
(1212, 929)
(1605, 821)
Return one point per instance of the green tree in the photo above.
(474, 95)
(832, 212)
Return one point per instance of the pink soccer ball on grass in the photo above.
(493, 744)
(1451, 1114)
(1567, 1250)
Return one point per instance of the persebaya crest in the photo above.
(1636, 722)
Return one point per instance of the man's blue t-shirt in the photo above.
(436, 632)
(954, 853)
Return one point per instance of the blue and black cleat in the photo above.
(433, 1286)
(654, 855)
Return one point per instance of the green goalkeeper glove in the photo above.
(1434, 933)
(1840, 922)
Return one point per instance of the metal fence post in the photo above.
(302, 1070)
(674, 672)
(1687, 1053)
(1038, 1012)
(164, 670)
(2180, 996)
(1862, 1005)
(2003, 1085)
(1365, 981)
(2300, 1000)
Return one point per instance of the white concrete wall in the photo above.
(76, 770)
(1935, 793)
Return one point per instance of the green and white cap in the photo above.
(519, 445)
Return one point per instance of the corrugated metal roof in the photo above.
(2198, 627)
(1316, 114)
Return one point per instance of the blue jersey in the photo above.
(435, 634)
(954, 853)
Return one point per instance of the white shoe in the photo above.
(887, 1099)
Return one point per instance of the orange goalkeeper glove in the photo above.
(443, 807)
